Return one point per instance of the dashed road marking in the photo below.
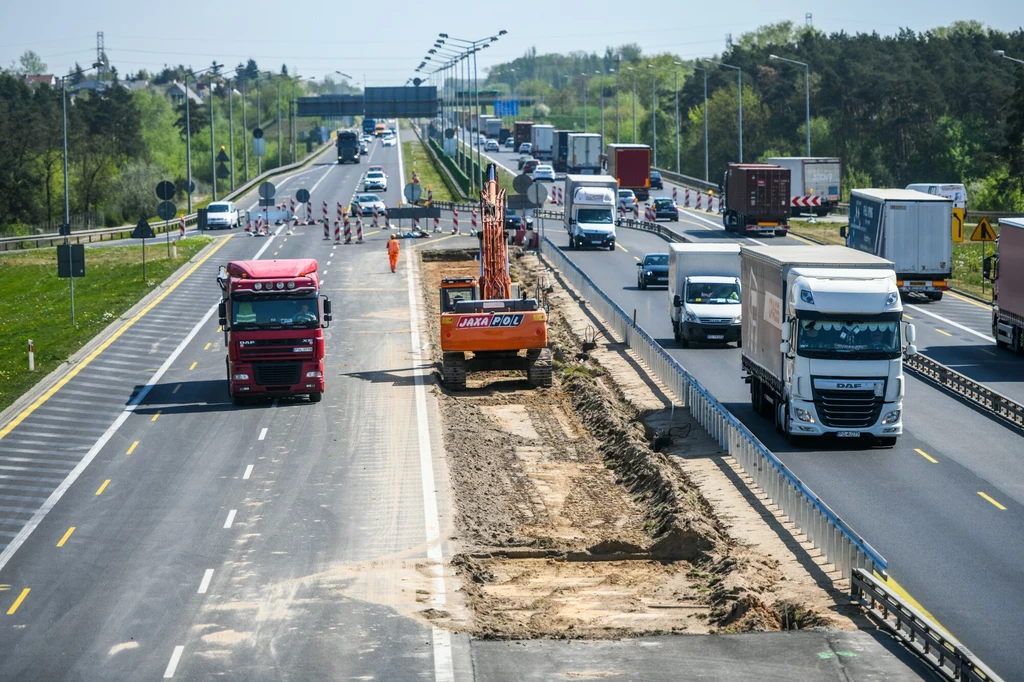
(998, 506)
(248, 473)
(231, 518)
(17, 602)
(926, 455)
(132, 448)
(205, 584)
(103, 487)
(66, 536)
(172, 665)
(263, 433)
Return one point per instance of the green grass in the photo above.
(966, 256)
(417, 159)
(37, 304)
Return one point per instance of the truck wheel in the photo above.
(739, 343)
(675, 332)
(316, 397)
(934, 295)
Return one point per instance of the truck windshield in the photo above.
(601, 216)
(217, 208)
(274, 312)
(857, 339)
(716, 294)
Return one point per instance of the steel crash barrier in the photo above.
(839, 544)
(967, 388)
(123, 232)
(949, 659)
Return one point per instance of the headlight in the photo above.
(313, 375)
(240, 377)
(803, 415)
(892, 298)
(690, 317)
(649, 273)
(892, 417)
(739, 319)
(806, 296)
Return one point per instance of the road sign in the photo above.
(222, 171)
(449, 133)
(257, 133)
(302, 196)
(165, 191)
(191, 187)
(143, 230)
(958, 224)
(412, 192)
(521, 183)
(166, 210)
(64, 229)
(76, 266)
(259, 147)
(268, 202)
(267, 190)
(537, 194)
(222, 157)
(983, 232)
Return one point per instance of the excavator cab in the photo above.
(455, 290)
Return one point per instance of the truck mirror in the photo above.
(910, 333)
(222, 314)
(784, 347)
(676, 301)
(327, 310)
(911, 350)
(786, 334)
(842, 231)
(986, 268)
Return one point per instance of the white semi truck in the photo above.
(590, 211)
(704, 292)
(583, 156)
(822, 348)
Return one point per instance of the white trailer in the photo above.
(815, 182)
(583, 155)
(543, 139)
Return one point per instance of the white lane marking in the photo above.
(248, 473)
(205, 584)
(55, 496)
(231, 518)
(172, 665)
(263, 433)
(442, 643)
(951, 322)
(328, 262)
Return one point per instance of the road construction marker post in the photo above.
(31, 356)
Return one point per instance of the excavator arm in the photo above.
(495, 283)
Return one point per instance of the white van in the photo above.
(955, 192)
(221, 214)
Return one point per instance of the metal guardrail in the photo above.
(967, 388)
(839, 544)
(949, 659)
(113, 233)
(681, 179)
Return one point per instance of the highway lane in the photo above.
(271, 541)
(951, 548)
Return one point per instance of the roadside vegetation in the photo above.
(417, 159)
(37, 304)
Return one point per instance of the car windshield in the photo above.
(663, 202)
(375, 176)
(863, 339)
(625, 194)
(272, 311)
(601, 216)
(656, 259)
(217, 208)
(655, 175)
(367, 198)
(712, 293)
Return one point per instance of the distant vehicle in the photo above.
(813, 179)
(530, 165)
(543, 172)
(491, 146)
(757, 198)
(369, 125)
(521, 132)
(365, 203)
(221, 214)
(393, 125)
(523, 158)
(954, 192)
(389, 141)
(364, 148)
(704, 292)
(656, 181)
(510, 142)
(626, 200)
(377, 169)
(665, 208)
(630, 165)
(515, 223)
(589, 215)
(582, 153)
(348, 146)
(652, 270)
(542, 140)
(367, 138)
(910, 228)
(1006, 270)
(380, 129)
(375, 180)
(526, 148)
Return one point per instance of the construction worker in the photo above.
(393, 249)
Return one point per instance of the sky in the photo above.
(382, 44)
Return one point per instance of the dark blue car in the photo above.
(652, 271)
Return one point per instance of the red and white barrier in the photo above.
(472, 222)
(359, 230)
(181, 228)
(675, 195)
(455, 221)
(348, 231)
(636, 211)
(337, 232)
(700, 201)
(806, 202)
(327, 230)
(326, 215)
(430, 196)
(375, 217)
(711, 203)
(248, 227)
(437, 224)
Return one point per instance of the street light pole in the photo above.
(245, 132)
(630, 68)
(231, 128)
(279, 162)
(654, 114)
(188, 147)
(807, 94)
(705, 121)
(602, 109)
(585, 130)
(259, 114)
(679, 167)
(617, 106)
(739, 91)
(213, 149)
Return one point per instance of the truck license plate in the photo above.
(848, 434)
(716, 337)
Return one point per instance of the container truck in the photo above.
(542, 137)
(584, 154)
(822, 348)
(493, 128)
(589, 213)
(1006, 270)
(757, 197)
(560, 150)
(910, 228)
(273, 317)
(630, 165)
(815, 182)
(704, 292)
(521, 132)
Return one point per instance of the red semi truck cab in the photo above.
(273, 317)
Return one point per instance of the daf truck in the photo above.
(1006, 270)
(910, 228)
(589, 213)
(583, 154)
(822, 348)
(630, 165)
(815, 182)
(704, 293)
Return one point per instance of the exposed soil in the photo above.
(571, 525)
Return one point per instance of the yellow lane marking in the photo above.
(66, 536)
(926, 455)
(434, 241)
(285, 239)
(636, 257)
(907, 316)
(17, 602)
(999, 506)
(132, 448)
(176, 388)
(275, 253)
(799, 238)
(207, 346)
(898, 589)
(622, 247)
(968, 300)
(942, 331)
(103, 346)
(219, 329)
(103, 487)
(5, 588)
(987, 351)
(155, 416)
(193, 366)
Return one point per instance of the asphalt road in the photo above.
(920, 504)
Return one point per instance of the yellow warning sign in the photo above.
(958, 225)
(983, 232)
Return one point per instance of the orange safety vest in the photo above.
(393, 247)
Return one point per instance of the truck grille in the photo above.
(716, 320)
(270, 348)
(277, 373)
(847, 409)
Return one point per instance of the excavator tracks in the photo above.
(538, 374)
(453, 371)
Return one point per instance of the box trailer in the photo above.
(584, 154)
(815, 181)
(757, 197)
(1006, 270)
(630, 165)
(560, 150)
(542, 137)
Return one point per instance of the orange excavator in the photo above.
(483, 327)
